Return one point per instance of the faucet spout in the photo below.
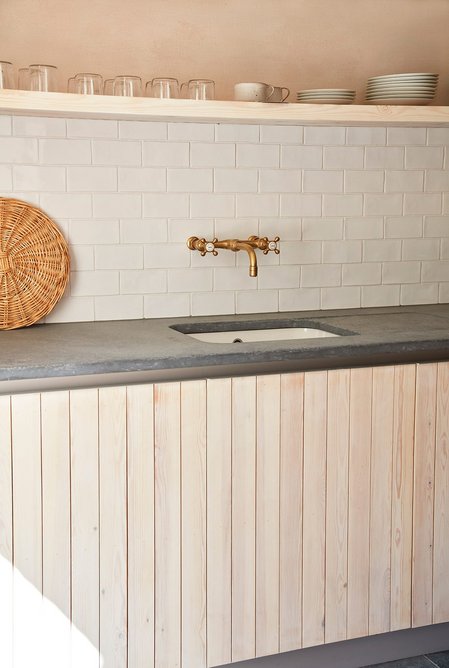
(237, 245)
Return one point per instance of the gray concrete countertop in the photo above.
(54, 356)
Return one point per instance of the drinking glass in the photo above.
(163, 87)
(42, 77)
(200, 89)
(86, 84)
(107, 88)
(6, 74)
(128, 86)
(24, 78)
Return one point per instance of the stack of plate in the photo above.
(415, 88)
(326, 96)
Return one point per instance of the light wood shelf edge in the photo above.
(26, 103)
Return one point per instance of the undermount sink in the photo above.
(251, 335)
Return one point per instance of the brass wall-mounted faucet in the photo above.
(249, 245)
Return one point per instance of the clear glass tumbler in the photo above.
(43, 78)
(200, 89)
(86, 84)
(128, 86)
(6, 74)
(163, 87)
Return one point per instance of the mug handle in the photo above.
(288, 93)
(272, 91)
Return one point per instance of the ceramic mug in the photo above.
(280, 94)
(253, 92)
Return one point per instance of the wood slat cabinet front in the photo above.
(197, 523)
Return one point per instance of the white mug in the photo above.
(280, 94)
(253, 92)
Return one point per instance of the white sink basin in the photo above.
(249, 335)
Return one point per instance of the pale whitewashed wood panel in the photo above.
(6, 597)
(85, 538)
(193, 527)
(267, 514)
(140, 470)
(290, 546)
(113, 538)
(56, 499)
(380, 522)
(441, 528)
(337, 505)
(243, 518)
(167, 444)
(402, 497)
(5, 479)
(27, 499)
(219, 644)
(424, 474)
(314, 519)
(359, 502)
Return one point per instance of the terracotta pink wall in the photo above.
(298, 43)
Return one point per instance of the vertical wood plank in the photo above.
(6, 536)
(56, 498)
(113, 531)
(441, 524)
(267, 515)
(337, 505)
(314, 519)
(27, 459)
(85, 537)
(167, 445)
(380, 522)
(402, 497)
(291, 477)
(359, 501)
(219, 644)
(193, 528)
(243, 518)
(423, 492)
(140, 468)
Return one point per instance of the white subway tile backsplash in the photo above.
(235, 278)
(102, 179)
(321, 229)
(317, 181)
(403, 136)
(421, 249)
(272, 278)
(235, 227)
(180, 230)
(103, 232)
(300, 205)
(367, 181)
(300, 299)
(383, 204)
(37, 126)
(118, 256)
(117, 205)
(403, 227)
(109, 152)
(301, 157)
(289, 229)
(165, 154)
(382, 250)
(39, 178)
(73, 309)
(437, 180)
(167, 306)
(343, 157)
(82, 258)
(435, 271)
(18, 150)
(443, 293)
(281, 134)
(63, 151)
(142, 130)
(360, 136)
(422, 203)
(342, 251)
(191, 280)
(214, 205)
(401, 272)
(258, 204)
(425, 293)
(85, 283)
(380, 295)
(318, 135)
(260, 301)
(119, 307)
(142, 179)
(279, 180)
(320, 275)
(211, 155)
(438, 136)
(342, 205)
(189, 180)
(85, 127)
(6, 177)
(166, 255)
(63, 205)
(257, 155)
(388, 157)
(143, 230)
(6, 125)
(424, 157)
(142, 281)
(233, 132)
(165, 205)
(436, 226)
(444, 249)
(364, 228)
(404, 181)
(191, 132)
(363, 273)
(213, 303)
(235, 180)
(342, 297)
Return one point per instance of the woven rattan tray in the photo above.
(34, 264)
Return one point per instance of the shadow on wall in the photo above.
(34, 632)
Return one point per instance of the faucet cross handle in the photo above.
(203, 246)
(271, 245)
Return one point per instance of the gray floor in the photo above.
(438, 660)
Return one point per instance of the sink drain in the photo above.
(237, 341)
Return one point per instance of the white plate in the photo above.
(408, 75)
(399, 86)
(326, 100)
(425, 96)
(348, 97)
(341, 91)
(399, 100)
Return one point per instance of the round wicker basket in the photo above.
(34, 264)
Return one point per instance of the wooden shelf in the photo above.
(28, 103)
